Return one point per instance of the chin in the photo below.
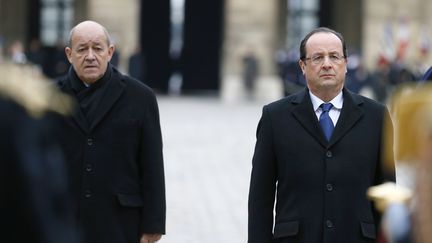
(328, 83)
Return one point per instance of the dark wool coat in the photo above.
(319, 187)
(34, 202)
(115, 163)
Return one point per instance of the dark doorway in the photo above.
(344, 16)
(154, 40)
(199, 62)
(201, 54)
(33, 20)
(326, 13)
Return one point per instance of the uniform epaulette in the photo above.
(25, 85)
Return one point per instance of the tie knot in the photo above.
(326, 106)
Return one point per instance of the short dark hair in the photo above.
(320, 30)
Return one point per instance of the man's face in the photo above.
(325, 66)
(89, 52)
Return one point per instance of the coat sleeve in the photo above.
(152, 171)
(262, 184)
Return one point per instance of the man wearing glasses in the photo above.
(316, 154)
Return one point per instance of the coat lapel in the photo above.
(78, 116)
(114, 90)
(304, 113)
(350, 114)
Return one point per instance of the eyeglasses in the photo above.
(319, 59)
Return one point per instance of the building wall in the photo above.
(347, 19)
(251, 26)
(121, 18)
(256, 25)
(13, 21)
(81, 10)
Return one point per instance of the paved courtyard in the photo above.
(208, 146)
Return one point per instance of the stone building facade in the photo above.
(370, 27)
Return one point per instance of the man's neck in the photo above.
(326, 95)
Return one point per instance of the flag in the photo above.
(402, 38)
(424, 41)
(387, 44)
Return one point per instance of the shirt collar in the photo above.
(78, 85)
(336, 101)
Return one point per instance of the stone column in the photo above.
(121, 18)
(250, 25)
(13, 25)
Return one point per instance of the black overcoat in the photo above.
(34, 202)
(319, 187)
(115, 163)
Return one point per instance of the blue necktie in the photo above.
(325, 121)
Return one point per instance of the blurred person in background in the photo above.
(16, 52)
(290, 72)
(381, 84)
(250, 71)
(407, 211)
(35, 53)
(34, 203)
(358, 78)
(136, 64)
(112, 144)
(318, 177)
(60, 62)
(1, 50)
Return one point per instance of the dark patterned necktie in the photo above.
(325, 121)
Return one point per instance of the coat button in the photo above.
(329, 187)
(329, 224)
(329, 154)
(89, 141)
(88, 167)
(87, 194)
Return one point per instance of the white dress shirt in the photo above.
(334, 113)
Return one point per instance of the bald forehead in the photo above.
(88, 29)
(320, 36)
(326, 39)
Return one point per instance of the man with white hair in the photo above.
(112, 144)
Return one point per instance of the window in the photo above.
(301, 19)
(56, 21)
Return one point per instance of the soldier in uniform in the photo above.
(34, 204)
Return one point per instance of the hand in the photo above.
(150, 238)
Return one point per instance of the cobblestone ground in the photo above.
(208, 147)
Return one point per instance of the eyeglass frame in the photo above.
(313, 58)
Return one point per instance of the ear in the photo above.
(346, 65)
(302, 66)
(68, 52)
(111, 50)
